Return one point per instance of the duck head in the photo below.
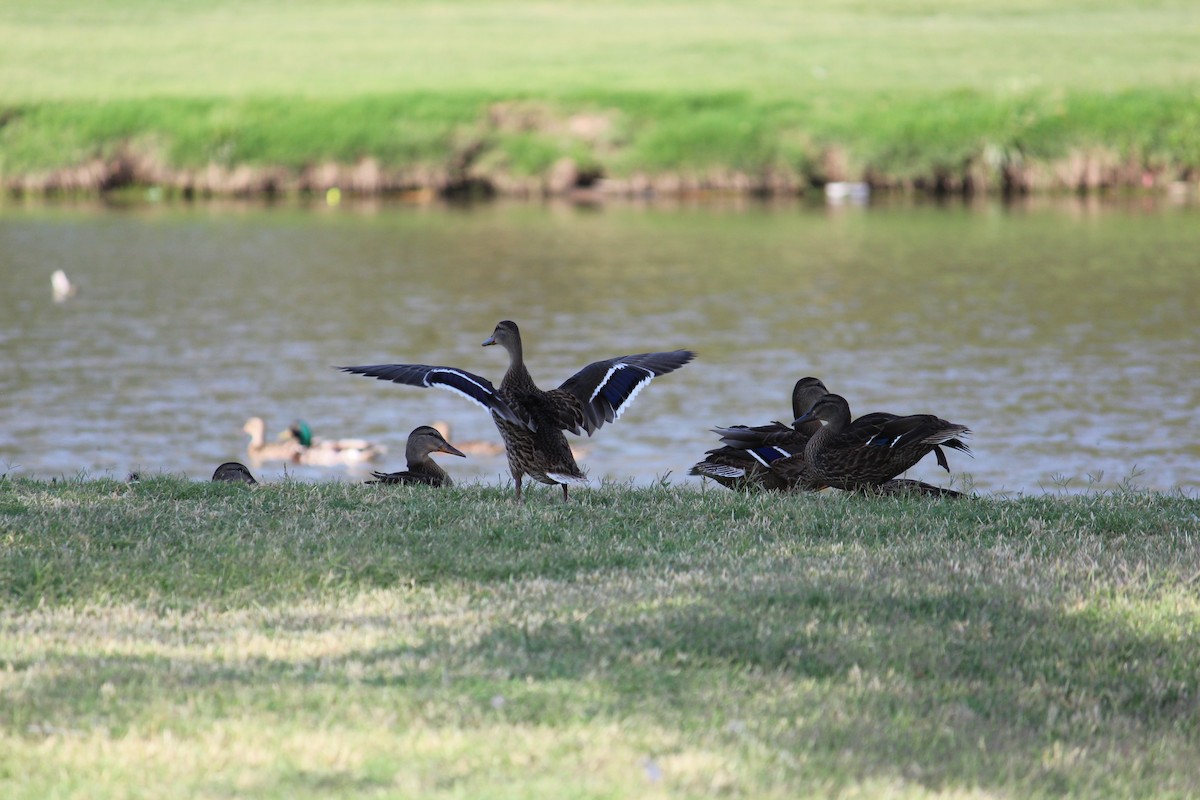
(806, 393)
(830, 409)
(425, 440)
(301, 432)
(507, 335)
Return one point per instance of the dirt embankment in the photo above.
(478, 167)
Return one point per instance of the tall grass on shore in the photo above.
(964, 140)
(180, 639)
(1022, 95)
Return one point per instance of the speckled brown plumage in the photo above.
(422, 470)
(531, 420)
(905, 486)
(747, 460)
(876, 447)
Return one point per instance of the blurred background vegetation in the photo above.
(533, 96)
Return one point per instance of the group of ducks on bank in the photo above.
(822, 448)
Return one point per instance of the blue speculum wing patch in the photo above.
(768, 455)
(622, 383)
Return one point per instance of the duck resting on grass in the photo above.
(531, 420)
(866, 454)
(745, 462)
(422, 470)
(234, 472)
(771, 457)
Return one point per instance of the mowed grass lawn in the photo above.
(179, 639)
(124, 49)
(900, 87)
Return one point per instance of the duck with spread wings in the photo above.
(532, 420)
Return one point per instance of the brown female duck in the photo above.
(531, 420)
(745, 462)
(422, 470)
(875, 448)
(234, 472)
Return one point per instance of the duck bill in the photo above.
(489, 341)
(451, 449)
(809, 417)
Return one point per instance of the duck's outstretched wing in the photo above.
(604, 389)
(473, 387)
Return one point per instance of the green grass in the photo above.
(908, 90)
(176, 639)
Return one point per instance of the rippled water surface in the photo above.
(1065, 334)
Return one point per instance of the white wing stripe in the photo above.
(470, 397)
(758, 458)
(462, 375)
(604, 380)
(483, 390)
(629, 400)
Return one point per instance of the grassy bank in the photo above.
(525, 97)
(634, 142)
(182, 639)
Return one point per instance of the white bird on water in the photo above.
(61, 286)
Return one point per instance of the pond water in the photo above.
(1064, 333)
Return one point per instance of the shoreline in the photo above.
(642, 145)
(1079, 173)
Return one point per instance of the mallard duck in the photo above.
(234, 472)
(261, 450)
(874, 448)
(745, 462)
(317, 452)
(421, 468)
(472, 447)
(531, 421)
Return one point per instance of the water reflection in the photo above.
(1063, 333)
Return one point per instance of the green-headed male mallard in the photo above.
(745, 462)
(532, 421)
(873, 449)
(422, 470)
(317, 452)
(261, 450)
